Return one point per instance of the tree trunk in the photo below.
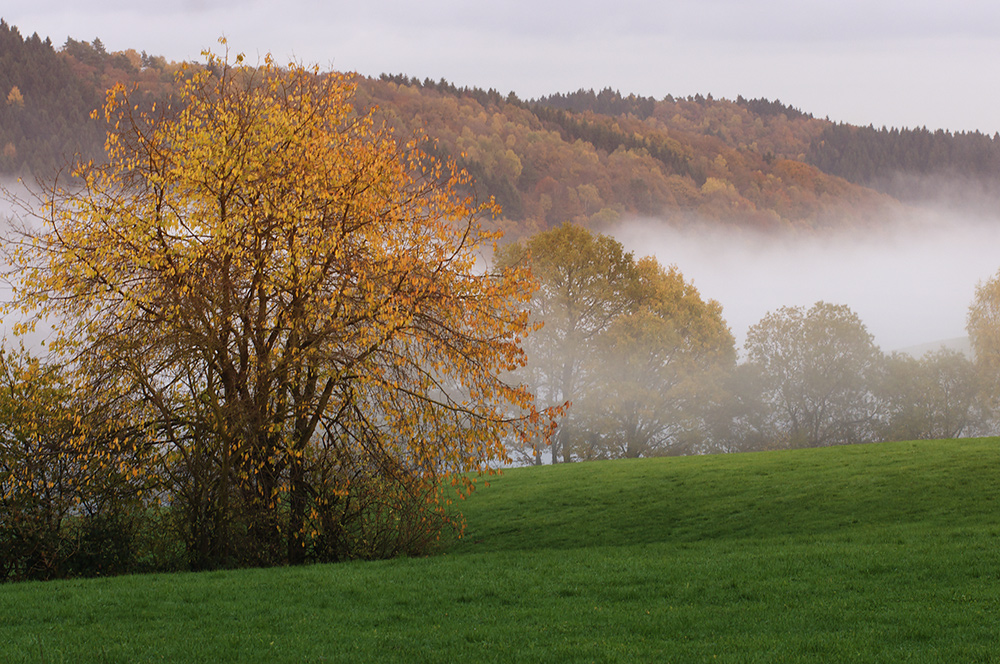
(296, 513)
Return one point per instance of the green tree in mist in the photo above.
(931, 397)
(819, 369)
(657, 370)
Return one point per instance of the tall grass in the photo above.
(873, 553)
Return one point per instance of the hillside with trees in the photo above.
(592, 158)
(47, 96)
(911, 164)
(45, 106)
(685, 161)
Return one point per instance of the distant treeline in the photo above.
(612, 102)
(564, 112)
(47, 97)
(889, 159)
(44, 106)
(486, 98)
(606, 102)
(571, 158)
(767, 107)
(884, 159)
(589, 157)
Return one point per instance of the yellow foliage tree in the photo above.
(291, 297)
(586, 282)
(15, 98)
(70, 474)
(983, 326)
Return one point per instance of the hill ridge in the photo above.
(593, 158)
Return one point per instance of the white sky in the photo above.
(893, 62)
(904, 63)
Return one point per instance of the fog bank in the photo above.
(911, 282)
(16, 201)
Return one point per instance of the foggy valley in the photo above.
(911, 280)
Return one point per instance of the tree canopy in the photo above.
(656, 368)
(288, 298)
(819, 370)
(625, 345)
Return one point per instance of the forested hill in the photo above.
(593, 158)
(681, 160)
(47, 95)
(44, 105)
(911, 164)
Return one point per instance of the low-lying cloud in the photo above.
(911, 282)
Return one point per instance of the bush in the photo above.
(68, 488)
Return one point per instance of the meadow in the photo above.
(874, 553)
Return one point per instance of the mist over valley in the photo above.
(911, 280)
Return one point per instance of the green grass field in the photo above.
(878, 553)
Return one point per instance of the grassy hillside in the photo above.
(871, 553)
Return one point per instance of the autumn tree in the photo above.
(15, 98)
(819, 370)
(628, 346)
(586, 282)
(72, 473)
(290, 299)
(983, 326)
(656, 368)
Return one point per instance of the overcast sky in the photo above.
(886, 62)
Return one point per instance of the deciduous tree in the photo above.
(931, 397)
(819, 370)
(656, 367)
(627, 344)
(72, 472)
(586, 282)
(983, 326)
(290, 297)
